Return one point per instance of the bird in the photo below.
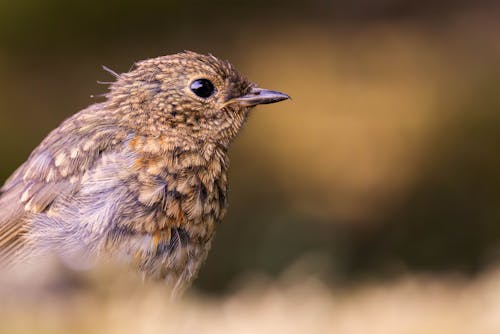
(139, 178)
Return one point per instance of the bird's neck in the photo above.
(182, 152)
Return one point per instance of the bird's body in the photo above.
(140, 178)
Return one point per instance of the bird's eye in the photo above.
(202, 88)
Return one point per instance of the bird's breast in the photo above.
(177, 198)
(183, 183)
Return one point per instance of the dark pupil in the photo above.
(202, 87)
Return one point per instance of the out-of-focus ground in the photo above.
(380, 178)
(408, 305)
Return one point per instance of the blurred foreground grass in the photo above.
(411, 304)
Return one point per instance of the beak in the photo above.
(260, 96)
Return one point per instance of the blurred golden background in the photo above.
(374, 193)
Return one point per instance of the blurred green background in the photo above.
(385, 162)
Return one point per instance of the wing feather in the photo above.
(54, 169)
(10, 216)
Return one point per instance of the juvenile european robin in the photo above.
(139, 178)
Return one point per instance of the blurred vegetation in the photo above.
(408, 305)
(385, 162)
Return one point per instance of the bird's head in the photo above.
(193, 95)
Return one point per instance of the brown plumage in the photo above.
(139, 178)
